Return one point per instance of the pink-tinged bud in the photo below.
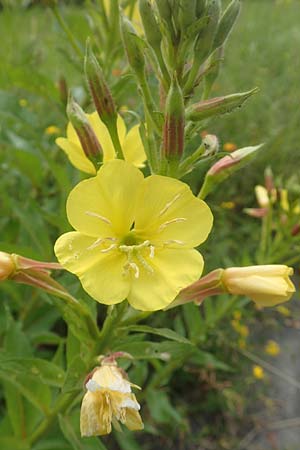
(89, 142)
(99, 89)
(269, 180)
(262, 196)
(217, 106)
(63, 90)
(7, 266)
(295, 230)
(266, 285)
(173, 139)
(256, 212)
(225, 167)
(210, 284)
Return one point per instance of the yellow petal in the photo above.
(95, 414)
(105, 205)
(173, 270)
(101, 274)
(133, 148)
(76, 155)
(167, 210)
(133, 420)
(103, 135)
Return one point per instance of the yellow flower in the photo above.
(23, 102)
(258, 372)
(52, 129)
(272, 348)
(229, 147)
(284, 200)
(108, 399)
(131, 144)
(135, 236)
(267, 285)
(228, 205)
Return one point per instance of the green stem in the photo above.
(113, 131)
(67, 30)
(148, 101)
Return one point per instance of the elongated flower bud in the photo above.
(132, 47)
(7, 266)
(262, 196)
(227, 166)
(98, 87)
(267, 285)
(165, 11)
(151, 28)
(203, 46)
(227, 21)
(187, 13)
(218, 105)
(85, 133)
(173, 140)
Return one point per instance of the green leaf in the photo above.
(76, 373)
(11, 443)
(69, 432)
(164, 332)
(161, 409)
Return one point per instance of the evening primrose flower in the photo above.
(52, 129)
(130, 141)
(134, 236)
(108, 400)
(258, 372)
(272, 348)
(267, 285)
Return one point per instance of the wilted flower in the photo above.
(267, 285)
(135, 236)
(108, 400)
(130, 141)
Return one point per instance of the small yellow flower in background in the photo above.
(130, 141)
(108, 400)
(283, 310)
(229, 147)
(135, 236)
(258, 372)
(272, 348)
(227, 205)
(267, 285)
(23, 102)
(237, 315)
(52, 129)
(241, 329)
(284, 200)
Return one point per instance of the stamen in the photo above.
(108, 249)
(134, 266)
(169, 222)
(174, 241)
(152, 250)
(169, 204)
(99, 241)
(144, 263)
(93, 214)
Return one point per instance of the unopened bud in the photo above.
(165, 11)
(173, 140)
(269, 180)
(98, 87)
(259, 213)
(217, 106)
(262, 196)
(211, 145)
(132, 47)
(7, 266)
(295, 230)
(227, 21)
(203, 46)
(225, 167)
(85, 133)
(151, 28)
(187, 13)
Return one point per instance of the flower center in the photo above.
(137, 253)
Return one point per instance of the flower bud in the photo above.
(203, 45)
(99, 89)
(7, 266)
(267, 285)
(262, 196)
(284, 200)
(227, 166)
(165, 12)
(173, 139)
(132, 46)
(269, 180)
(108, 399)
(187, 13)
(151, 28)
(88, 140)
(217, 106)
(227, 21)
(256, 212)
